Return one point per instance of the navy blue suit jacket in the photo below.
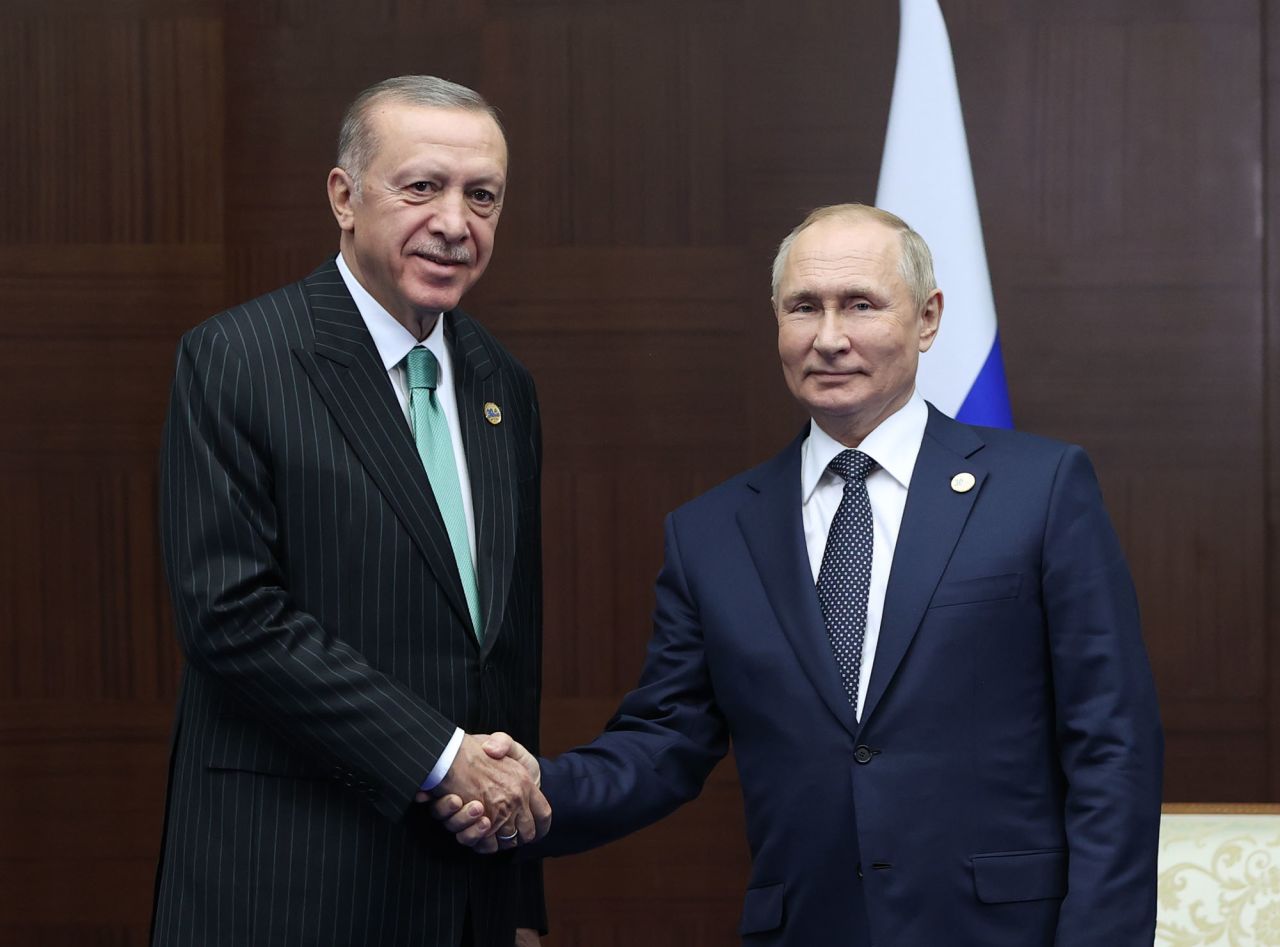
(1003, 786)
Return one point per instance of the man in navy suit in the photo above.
(922, 638)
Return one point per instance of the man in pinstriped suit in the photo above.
(348, 626)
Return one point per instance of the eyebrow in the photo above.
(799, 296)
(410, 173)
(847, 292)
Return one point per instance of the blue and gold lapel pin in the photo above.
(492, 413)
(963, 482)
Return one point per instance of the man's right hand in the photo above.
(502, 776)
(474, 823)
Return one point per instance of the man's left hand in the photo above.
(525, 937)
(470, 823)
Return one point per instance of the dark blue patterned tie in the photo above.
(844, 579)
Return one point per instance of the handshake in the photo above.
(490, 799)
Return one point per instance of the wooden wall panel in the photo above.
(89, 608)
(81, 807)
(168, 157)
(1123, 230)
(1269, 352)
(98, 149)
(111, 243)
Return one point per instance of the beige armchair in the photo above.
(1219, 876)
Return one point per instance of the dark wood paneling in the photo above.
(167, 158)
(81, 796)
(1269, 350)
(1121, 197)
(111, 243)
(112, 128)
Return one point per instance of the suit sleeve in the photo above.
(660, 746)
(1108, 726)
(235, 618)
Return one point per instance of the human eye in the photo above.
(423, 188)
(483, 200)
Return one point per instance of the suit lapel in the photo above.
(490, 467)
(349, 375)
(932, 522)
(772, 525)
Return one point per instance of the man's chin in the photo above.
(837, 402)
(436, 298)
(838, 411)
(439, 303)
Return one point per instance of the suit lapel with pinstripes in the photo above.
(349, 375)
(494, 482)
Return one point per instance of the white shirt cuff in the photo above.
(441, 769)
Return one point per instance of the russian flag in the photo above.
(925, 179)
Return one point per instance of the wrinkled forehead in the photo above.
(401, 129)
(843, 246)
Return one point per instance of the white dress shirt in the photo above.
(894, 445)
(393, 342)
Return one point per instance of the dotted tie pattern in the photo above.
(844, 580)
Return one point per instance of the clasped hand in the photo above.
(490, 798)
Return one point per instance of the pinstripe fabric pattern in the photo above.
(329, 652)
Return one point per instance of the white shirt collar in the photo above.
(894, 445)
(391, 338)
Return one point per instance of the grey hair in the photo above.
(357, 142)
(915, 262)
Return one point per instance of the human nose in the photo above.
(830, 338)
(450, 218)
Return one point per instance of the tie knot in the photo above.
(422, 368)
(852, 465)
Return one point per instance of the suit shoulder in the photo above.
(965, 438)
(728, 495)
(1022, 442)
(273, 320)
(478, 335)
(1031, 457)
(1027, 443)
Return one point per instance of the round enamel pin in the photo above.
(493, 414)
(963, 482)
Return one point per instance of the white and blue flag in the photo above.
(925, 179)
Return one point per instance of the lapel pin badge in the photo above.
(492, 413)
(963, 482)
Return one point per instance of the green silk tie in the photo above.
(435, 447)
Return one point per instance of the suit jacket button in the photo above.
(859, 870)
(863, 754)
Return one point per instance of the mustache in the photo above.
(443, 252)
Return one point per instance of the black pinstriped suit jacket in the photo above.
(329, 649)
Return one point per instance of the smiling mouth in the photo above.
(443, 254)
(440, 260)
